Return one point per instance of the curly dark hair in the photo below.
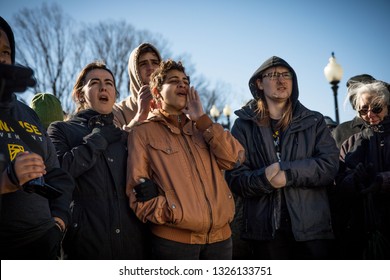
(158, 77)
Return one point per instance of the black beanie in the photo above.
(363, 78)
(7, 29)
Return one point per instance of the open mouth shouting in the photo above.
(104, 98)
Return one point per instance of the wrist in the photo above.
(6, 186)
(141, 116)
(203, 122)
(12, 174)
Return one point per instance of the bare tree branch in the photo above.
(44, 42)
(56, 49)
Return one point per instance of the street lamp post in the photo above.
(227, 112)
(215, 114)
(333, 73)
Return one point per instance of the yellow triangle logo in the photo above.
(14, 149)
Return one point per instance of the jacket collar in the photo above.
(172, 122)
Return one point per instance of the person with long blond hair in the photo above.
(291, 157)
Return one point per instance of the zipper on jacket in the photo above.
(276, 137)
(203, 186)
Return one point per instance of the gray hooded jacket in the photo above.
(126, 110)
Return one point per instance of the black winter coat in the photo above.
(26, 217)
(103, 225)
(371, 147)
(310, 158)
(346, 129)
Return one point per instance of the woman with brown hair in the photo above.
(93, 150)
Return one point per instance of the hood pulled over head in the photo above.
(132, 67)
(272, 62)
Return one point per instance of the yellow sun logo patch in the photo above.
(14, 149)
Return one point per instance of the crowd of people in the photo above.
(153, 177)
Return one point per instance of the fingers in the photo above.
(272, 170)
(29, 166)
(144, 101)
(145, 94)
(193, 94)
(144, 88)
(360, 167)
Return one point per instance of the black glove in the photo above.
(110, 132)
(146, 190)
(14, 78)
(363, 175)
(373, 188)
(379, 184)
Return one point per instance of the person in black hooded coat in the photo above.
(31, 225)
(291, 158)
(93, 150)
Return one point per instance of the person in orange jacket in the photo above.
(175, 169)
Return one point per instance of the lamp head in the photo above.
(333, 71)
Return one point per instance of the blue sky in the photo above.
(228, 40)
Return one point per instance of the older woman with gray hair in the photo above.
(364, 177)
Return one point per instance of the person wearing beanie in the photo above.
(348, 128)
(135, 108)
(32, 222)
(48, 108)
(291, 158)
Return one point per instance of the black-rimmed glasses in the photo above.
(275, 75)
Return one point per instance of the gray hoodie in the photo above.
(125, 110)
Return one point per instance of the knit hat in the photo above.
(48, 108)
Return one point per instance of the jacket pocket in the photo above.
(230, 206)
(164, 147)
(70, 242)
(174, 207)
